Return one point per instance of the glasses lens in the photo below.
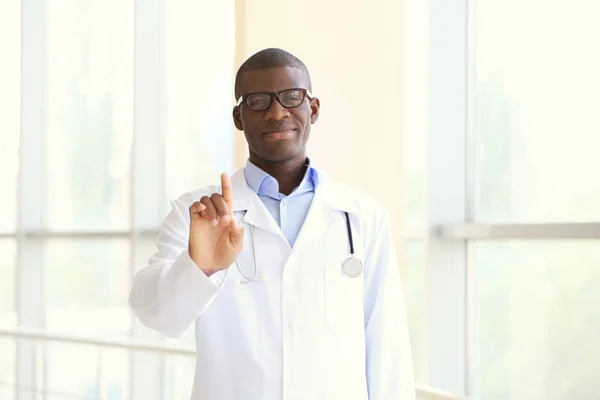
(291, 98)
(258, 101)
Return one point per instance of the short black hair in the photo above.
(269, 58)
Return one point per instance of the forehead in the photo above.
(273, 80)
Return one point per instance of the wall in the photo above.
(354, 53)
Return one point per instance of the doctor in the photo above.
(289, 277)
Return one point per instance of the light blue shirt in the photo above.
(289, 211)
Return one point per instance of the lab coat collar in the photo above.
(330, 197)
(330, 200)
(337, 196)
(245, 199)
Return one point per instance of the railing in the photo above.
(130, 345)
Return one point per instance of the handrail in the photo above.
(547, 231)
(428, 393)
(37, 390)
(423, 392)
(124, 343)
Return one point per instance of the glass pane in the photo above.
(536, 110)
(71, 371)
(415, 116)
(10, 110)
(115, 374)
(537, 320)
(200, 99)
(8, 368)
(8, 284)
(88, 286)
(413, 274)
(90, 100)
(148, 376)
(187, 338)
(179, 377)
(143, 250)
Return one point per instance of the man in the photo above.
(290, 278)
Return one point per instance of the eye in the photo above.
(258, 101)
(292, 95)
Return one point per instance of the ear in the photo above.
(315, 106)
(237, 118)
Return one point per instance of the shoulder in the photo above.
(358, 196)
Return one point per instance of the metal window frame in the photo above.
(31, 204)
(147, 177)
(525, 231)
(447, 363)
(452, 230)
(508, 231)
(147, 173)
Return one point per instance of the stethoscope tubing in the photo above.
(351, 258)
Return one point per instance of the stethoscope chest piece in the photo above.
(352, 267)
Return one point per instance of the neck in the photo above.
(288, 173)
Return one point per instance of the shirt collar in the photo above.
(264, 184)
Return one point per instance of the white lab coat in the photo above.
(306, 331)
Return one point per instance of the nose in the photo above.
(276, 111)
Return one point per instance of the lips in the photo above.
(280, 135)
(275, 129)
(279, 132)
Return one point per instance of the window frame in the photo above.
(146, 172)
(452, 230)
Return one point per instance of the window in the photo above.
(88, 185)
(536, 323)
(7, 369)
(199, 98)
(198, 106)
(122, 112)
(10, 107)
(535, 138)
(7, 316)
(8, 277)
(413, 271)
(535, 111)
(87, 285)
(90, 107)
(10, 110)
(510, 198)
(414, 164)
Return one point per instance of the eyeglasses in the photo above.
(261, 101)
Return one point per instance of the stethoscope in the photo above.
(254, 277)
(352, 267)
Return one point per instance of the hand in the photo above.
(216, 239)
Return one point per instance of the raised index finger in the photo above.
(227, 192)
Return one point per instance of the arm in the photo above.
(171, 291)
(390, 374)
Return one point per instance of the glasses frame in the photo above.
(305, 92)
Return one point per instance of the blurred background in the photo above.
(474, 121)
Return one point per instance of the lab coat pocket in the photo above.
(343, 299)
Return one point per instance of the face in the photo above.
(277, 134)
